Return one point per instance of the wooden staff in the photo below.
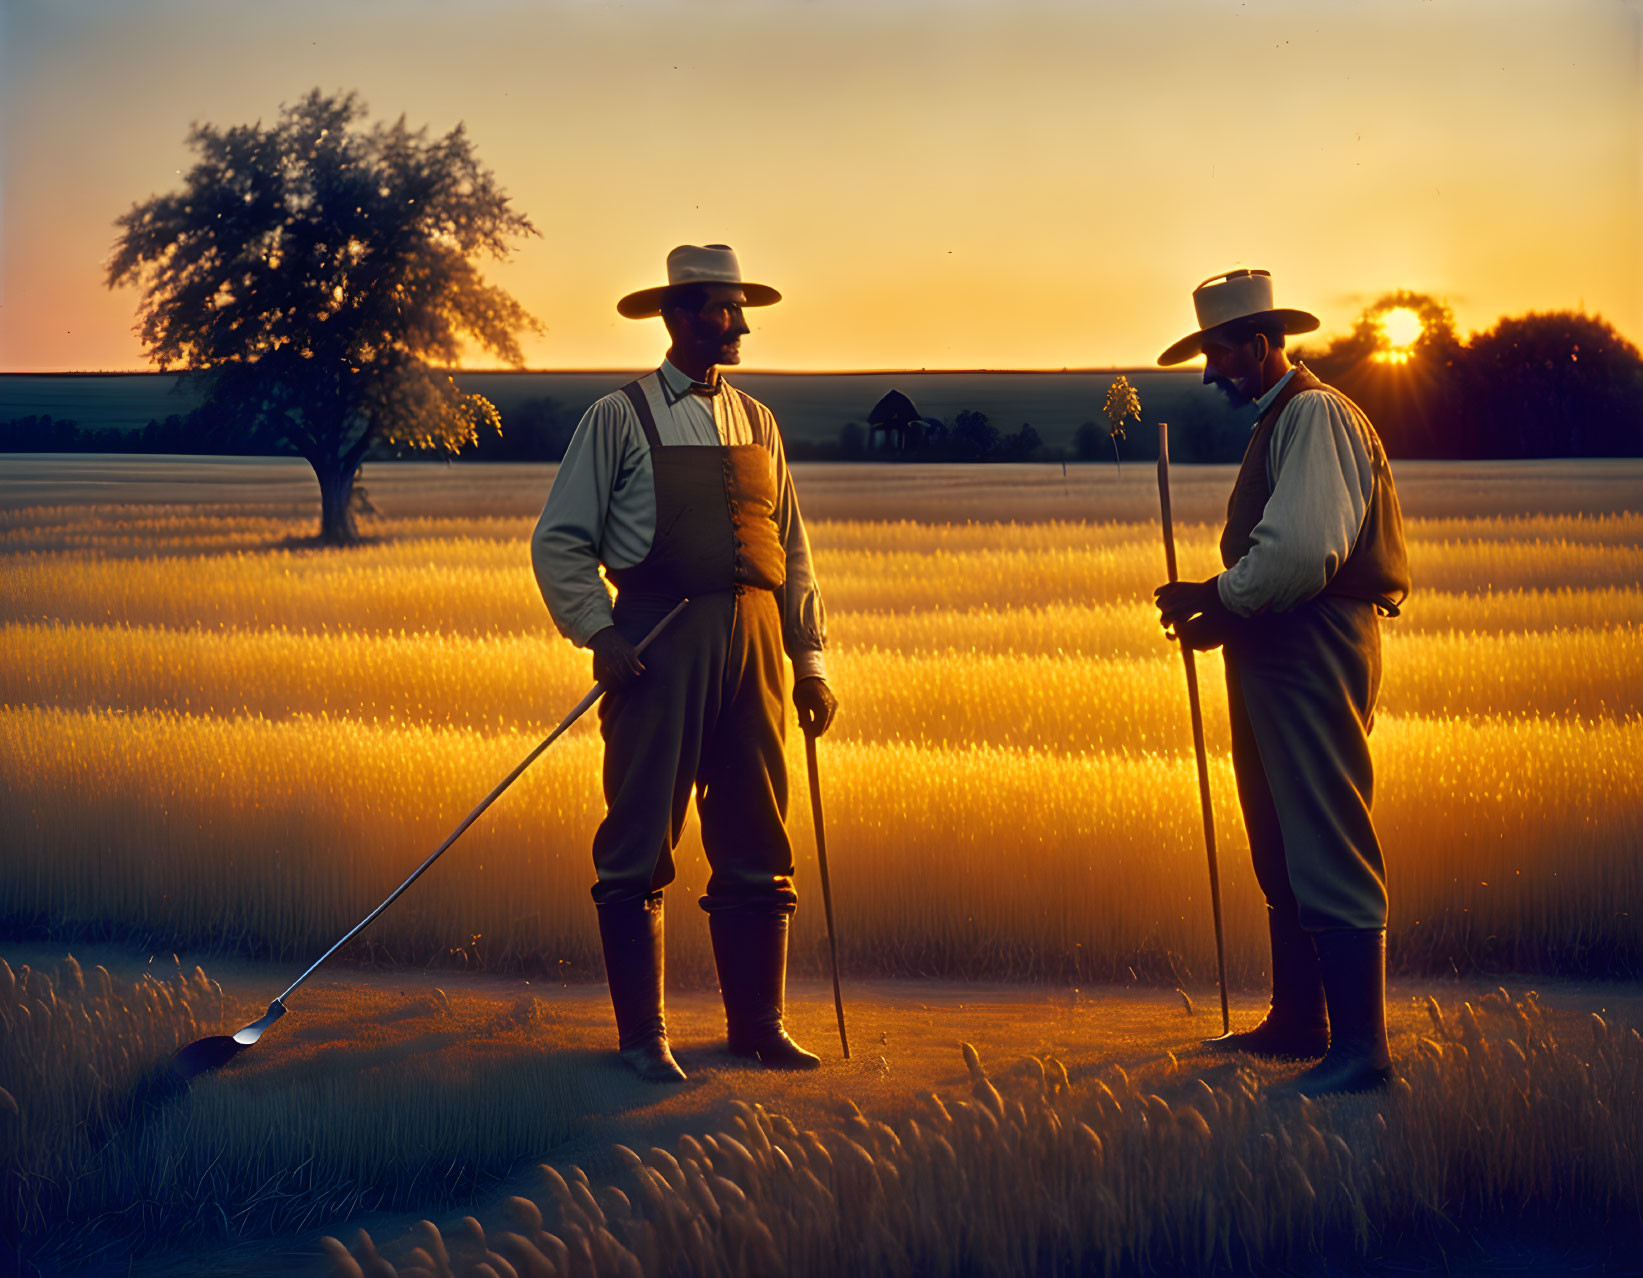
(1197, 730)
(827, 887)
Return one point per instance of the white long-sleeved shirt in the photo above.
(1321, 472)
(602, 509)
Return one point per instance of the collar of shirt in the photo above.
(676, 385)
(1265, 402)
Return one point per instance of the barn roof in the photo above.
(894, 408)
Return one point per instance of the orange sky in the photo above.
(959, 184)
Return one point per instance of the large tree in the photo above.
(319, 276)
(1555, 384)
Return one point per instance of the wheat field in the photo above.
(1010, 780)
(214, 737)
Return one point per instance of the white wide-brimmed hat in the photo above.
(697, 264)
(1234, 295)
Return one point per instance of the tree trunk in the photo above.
(336, 501)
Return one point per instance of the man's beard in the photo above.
(1236, 395)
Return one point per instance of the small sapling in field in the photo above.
(1122, 404)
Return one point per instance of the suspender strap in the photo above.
(641, 405)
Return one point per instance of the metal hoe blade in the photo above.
(252, 1032)
(216, 1050)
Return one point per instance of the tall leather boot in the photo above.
(1296, 1026)
(750, 951)
(1354, 971)
(630, 932)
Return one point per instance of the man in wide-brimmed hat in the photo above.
(1314, 553)
(677, 484)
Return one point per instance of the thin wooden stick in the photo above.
(827, 887)
(1197, 730)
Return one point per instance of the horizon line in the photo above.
(630, 368)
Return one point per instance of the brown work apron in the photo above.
(708, 712)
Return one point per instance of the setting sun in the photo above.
(1401, 327)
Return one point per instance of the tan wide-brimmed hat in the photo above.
(1234, 295)
(697, 264)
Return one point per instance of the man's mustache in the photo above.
(1230, 389)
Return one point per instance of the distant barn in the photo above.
(897, 419)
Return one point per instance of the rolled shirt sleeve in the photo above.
(567, 545)
(804, 619)
(1325, 478)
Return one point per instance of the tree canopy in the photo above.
(1548, 384)
(319, 274)
(1555, 384)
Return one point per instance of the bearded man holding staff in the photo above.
(1314, 553)
(677, 483)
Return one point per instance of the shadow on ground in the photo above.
(440, 1094)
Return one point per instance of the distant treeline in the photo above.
(536, 430)
(1553, 384)
(1560, 384)
(206, 430)
(1199, 432)
(540, 430)
(533, 430)
(971, 438)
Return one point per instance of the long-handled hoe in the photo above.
(209, 1053)
(1197, 730)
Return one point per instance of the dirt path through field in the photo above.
(490, 1045)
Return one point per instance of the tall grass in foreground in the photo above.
(1197, 1166)
(1501, 1127)
(74, 1054)
(1511, 846)
(99, 1155)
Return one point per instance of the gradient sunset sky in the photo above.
(932, 185)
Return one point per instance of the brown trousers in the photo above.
(1302, 686)
(707, 714)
